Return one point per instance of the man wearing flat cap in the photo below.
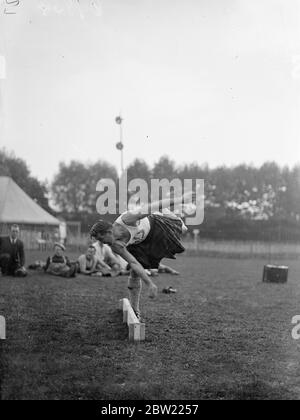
(59, 264)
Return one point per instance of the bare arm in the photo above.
(102, 264)
(110, 258)
(131, 217)
(121, 250)
(82, 265)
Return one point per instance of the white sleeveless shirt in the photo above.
(139, 232)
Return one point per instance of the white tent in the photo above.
(17, 207)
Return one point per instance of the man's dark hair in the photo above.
(100, 227)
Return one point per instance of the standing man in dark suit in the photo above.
(12, 255)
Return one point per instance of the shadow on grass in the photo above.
(257, 390)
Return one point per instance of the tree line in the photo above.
(242, 202)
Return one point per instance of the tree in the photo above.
(17, 169)
(139, 169)
(193, 171)
(74, 186)
(291, 201)
(164, 168)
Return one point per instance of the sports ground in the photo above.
(223, 335)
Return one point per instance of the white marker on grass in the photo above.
(2, 328)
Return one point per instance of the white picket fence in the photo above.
(243, 248)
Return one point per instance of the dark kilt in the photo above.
(163, 241)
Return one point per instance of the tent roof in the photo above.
(17, 207)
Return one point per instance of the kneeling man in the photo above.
(12, 255)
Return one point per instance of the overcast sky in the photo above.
(214, 81)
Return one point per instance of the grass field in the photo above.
(224, 335)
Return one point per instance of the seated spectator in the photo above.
(108, 259)
(12, 255)
(89, 264)
(59, 264)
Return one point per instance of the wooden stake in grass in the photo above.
(2, 337)
(2, 328)
(135, 327)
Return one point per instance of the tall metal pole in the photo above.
(2, 78)
(120, 144)
(122, 149)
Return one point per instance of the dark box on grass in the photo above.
(275, 274)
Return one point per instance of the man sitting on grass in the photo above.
(12, 255)
(89, 264)
(109, 261)
(59, 264)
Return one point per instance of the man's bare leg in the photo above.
(166, 269)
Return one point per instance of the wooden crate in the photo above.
(275, 274)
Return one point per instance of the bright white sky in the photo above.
(214, 81)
